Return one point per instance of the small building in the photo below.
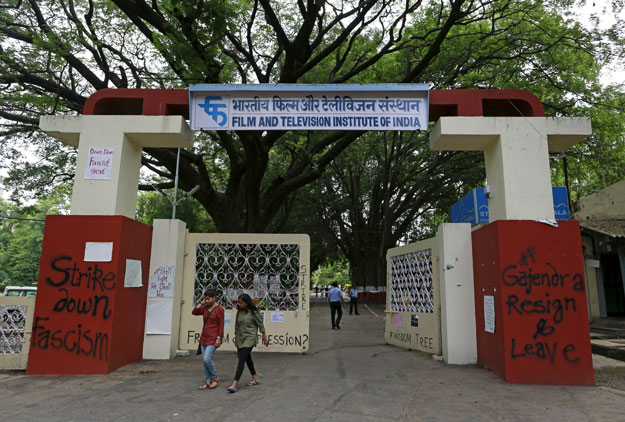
(602, 221)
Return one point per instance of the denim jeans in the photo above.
(210, 372)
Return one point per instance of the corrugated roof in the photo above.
(613, 228)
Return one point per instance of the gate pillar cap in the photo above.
(479, 133)
(144, 131)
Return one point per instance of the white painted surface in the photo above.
(457, 295)
(290, 334)
(516, 151)
(399, 329)
(168, 239)
(126, 135)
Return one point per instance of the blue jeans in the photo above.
(210, 372)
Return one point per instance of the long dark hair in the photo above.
(248, 301)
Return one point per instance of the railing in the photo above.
(16, 321)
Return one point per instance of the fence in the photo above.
(272, 269)
(16, 321)
(413, 311)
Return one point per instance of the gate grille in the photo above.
(269, 273)
(12, 321)
(411, 282)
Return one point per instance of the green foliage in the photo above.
(333, 271)
(151, 205)
(21, 237)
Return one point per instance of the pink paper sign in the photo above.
(397, 319)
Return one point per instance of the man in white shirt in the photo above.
(335, 297)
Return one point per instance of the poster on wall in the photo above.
(396, 319)
(277, 317)
(489, 314)
(274, 284)
(98, 252)
(99, 163)
(161, 283)
(414, 320)
(132, 277)
(158, 317)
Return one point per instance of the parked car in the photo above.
(20, 291)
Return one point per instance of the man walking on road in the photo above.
(353, 300)
(335, 297)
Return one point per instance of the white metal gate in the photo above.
(272, 269)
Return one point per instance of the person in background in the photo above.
(353, 299)
(248, 323)
(212, 333)
(335, 298)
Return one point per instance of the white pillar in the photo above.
(125, 136)
(459, 342)
(162, 321)
(516, 151)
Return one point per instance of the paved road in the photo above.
(349, 375)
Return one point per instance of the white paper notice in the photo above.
(277, 317)
(99, 163)
(489, 314)
(227, 320)
(158, 317)
(98, 251)
(274, 284)
(132, 278)
(161, 283)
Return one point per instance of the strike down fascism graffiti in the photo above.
(83, 293)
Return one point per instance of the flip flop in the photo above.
(249, 384)
(203, 387)
(213, 387)
(231, 389)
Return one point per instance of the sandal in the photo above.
(251, 383)
(203, 387)
(231, 389)
(213, 386)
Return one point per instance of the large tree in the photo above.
(389, 188)
(54, 54)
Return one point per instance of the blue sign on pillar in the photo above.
(473, 207)
(561, 203)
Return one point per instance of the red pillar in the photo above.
(535, 273)
(86, 321)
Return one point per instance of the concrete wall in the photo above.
(291, 335)
(400, 329)
(90, 304)
(608, 203)
(457, 294)
(164, 290)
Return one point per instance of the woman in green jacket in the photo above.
(248, 322)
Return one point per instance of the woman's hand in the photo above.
(265, 340)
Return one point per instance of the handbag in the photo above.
(199, 345)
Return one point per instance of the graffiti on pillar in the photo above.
(276, 339)
(544, 295)
(82, 293)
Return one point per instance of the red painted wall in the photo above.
(536, 274)
(86, 321)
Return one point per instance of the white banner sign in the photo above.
(489, 314)
(99, 163)
(309, 107)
